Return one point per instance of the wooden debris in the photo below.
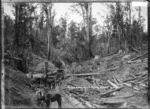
(127, 84)
(88, 104)
(136, 61)
(39, 75)
(94, 73)
(112, 84)
(74, 102)
(142, 73)
(126, 57)
(111, 91)
(118, 79)
(139, 56)
(136, 88)
(143, 85)
(132, 75)
(113, 101)
(130, 79)
(124, 96)
(115, 80)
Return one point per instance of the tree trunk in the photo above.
(139, 41)
(130, 22)
(2, 59)
(90, 29)
(87, 17)
(49, 33)
(17, 27)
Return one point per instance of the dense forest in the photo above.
(34, 37)
(31, 33)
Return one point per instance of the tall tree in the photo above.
(85, 10)
(49, 31)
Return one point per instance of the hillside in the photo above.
(17, 88)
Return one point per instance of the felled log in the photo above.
(112, 84)
(95, 73)
(118, 79)
(115, 80)
(73, 101)
(86, 103)
(124, 96)
(113, 101)
(139, 56)
(111, 91)
(142, 75)
(136, 61)
(127, 84)
(132, 75)
(130, 79)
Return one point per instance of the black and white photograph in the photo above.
(74, 54)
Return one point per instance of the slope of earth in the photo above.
(18, 91)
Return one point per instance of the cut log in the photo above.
(118, 79)
(142, 73)
(139, 56)
(112, 84)
(127, 84)
(132, 75)
(136, 88)
(111, 91)
(136, 61)
(130, 79)
(126, 57)
(113, 101)
(94, 73)
(88, 104)
(74, 102)
(124, 96)
(115, 80)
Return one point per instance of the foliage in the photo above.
(9, 32)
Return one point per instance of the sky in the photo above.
(98, 10)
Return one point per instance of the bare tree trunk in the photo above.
(90, 29)
(84, 20)
(2, 59)
(17, 27)
(49, 35)
(49, 32)
(139, 41)
(87, 17)
(130, 21)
